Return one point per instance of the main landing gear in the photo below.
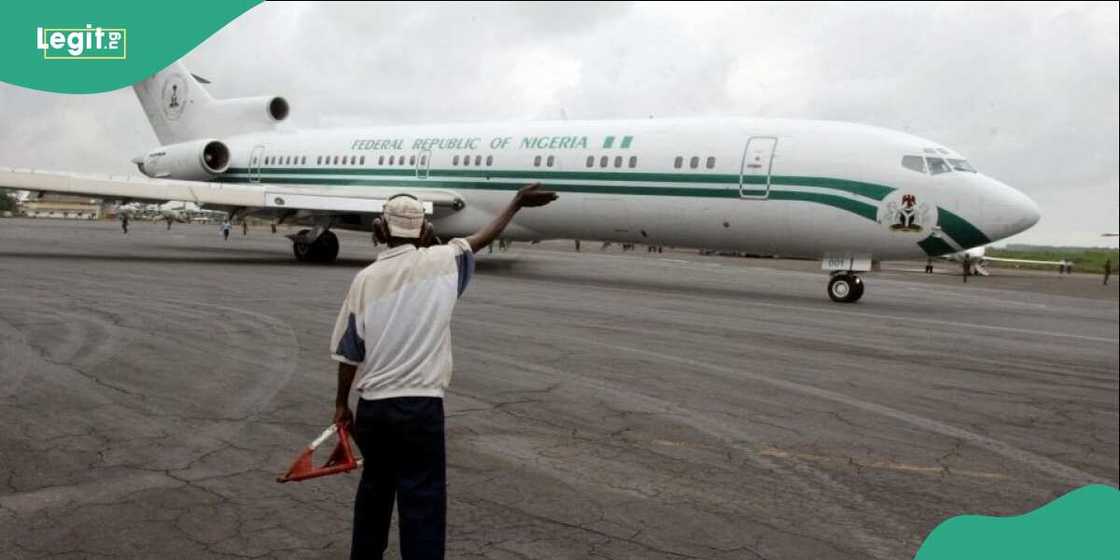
(315, 245)
(845, 287)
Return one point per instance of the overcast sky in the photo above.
(1030, 93)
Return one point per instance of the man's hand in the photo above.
(342, 396)
(531, 196)
(526, 197)
(342, 415)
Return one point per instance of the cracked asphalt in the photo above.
(604, 405)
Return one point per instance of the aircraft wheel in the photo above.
(326, 247)
(302, 251)
(845, 288)
(322, 250)
(858, 293)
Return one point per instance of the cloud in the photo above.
(1028, 91)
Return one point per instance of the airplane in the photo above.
(184, 213)
(848, 194)
(976, 259)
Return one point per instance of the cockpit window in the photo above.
(937, 166)
(914, 163)
(962, 165)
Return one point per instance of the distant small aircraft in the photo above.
(976, 259)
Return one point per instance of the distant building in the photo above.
(62, 206)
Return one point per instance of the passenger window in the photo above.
(914, 163)
(424, 159)
(694, 162)
(677, 163)
(537, 161)
(380, 160)
(603, 161)
(392, 160)
(937, 166)
(477, 160)
(617, 161)
(466, 160)
(590, 161)
(633, 162)
(363, 160)
(303, 160)
(412, 160)
(319, 160)
(401, 160)
(489, 161)
(455, 160)
(551, 160)
(336, 160)
(711, 163)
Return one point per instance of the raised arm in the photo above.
(526, 197)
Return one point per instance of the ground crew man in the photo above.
(124, 222)
(393, 334)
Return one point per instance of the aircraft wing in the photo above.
(241, 195)
(1024, 261)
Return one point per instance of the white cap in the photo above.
(404, 216)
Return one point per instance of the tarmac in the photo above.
(604, 405)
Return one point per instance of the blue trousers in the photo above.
(402, 442)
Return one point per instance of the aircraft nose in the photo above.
(1014, 212)
(1025, 210)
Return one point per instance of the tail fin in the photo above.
(176, 104)
(180, 109)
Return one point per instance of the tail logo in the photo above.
(174, 96)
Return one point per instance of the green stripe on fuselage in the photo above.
(854, 206)
(935, 246)
(869, 190)
(965, 234)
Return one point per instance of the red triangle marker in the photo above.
(341, 460)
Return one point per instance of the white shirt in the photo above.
(395, 324)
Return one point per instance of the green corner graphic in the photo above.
(1082, 525)
(102, 46)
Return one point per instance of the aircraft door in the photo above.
(423, 161)
(754, 173)
(256, 158)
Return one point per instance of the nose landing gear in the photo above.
(845, 287)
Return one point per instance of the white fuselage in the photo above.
(785, 187)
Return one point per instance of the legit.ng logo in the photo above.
(89, 43)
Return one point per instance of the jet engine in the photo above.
(197, 160)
